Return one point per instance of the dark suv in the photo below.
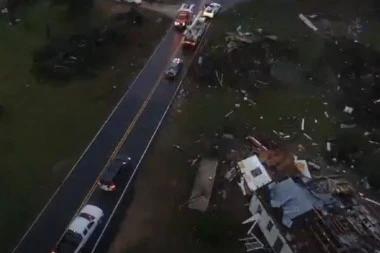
(174, 68)
(109, 178)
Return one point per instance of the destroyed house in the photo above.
(254, 173)
(294, 218)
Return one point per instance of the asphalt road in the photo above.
(128, 131)
(148, 123)
(79, 185)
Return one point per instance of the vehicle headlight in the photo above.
(176, 23)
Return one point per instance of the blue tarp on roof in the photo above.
(293, 199)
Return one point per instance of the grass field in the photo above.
(45, 126)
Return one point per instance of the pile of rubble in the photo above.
(309, 213)
(265, 50)
(294, 208)
(236, 39)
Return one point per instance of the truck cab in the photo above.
(184, 16)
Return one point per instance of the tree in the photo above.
(79, 7)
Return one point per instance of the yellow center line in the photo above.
(199, 47)
(122, 140)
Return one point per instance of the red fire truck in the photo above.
(184, 16)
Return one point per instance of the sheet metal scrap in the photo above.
(235, 39)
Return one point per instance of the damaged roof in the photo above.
(254, 173)
(293, 199)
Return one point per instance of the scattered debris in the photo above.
(348, 109)
(228, 136)
(262, 82)
(328, 146)
(193, 162)
(314, 165)
(203, 185)
(229, 113)
(236, 39)
(223, 193)
(177, 147)
(307, 136)
(374, 142)
(220, 80)
(252, 243)
(302, 168)
(242, 186)
(256, 142)
(301, 148)
(231, 174)
(308, 22)
(232, 111)
(346, 126)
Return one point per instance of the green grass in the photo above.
(44, 127)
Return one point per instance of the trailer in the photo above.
(184, 16)
(194, 32)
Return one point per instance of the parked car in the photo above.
(210, 10)
(174, 68)
(109, 179)
(80, 230)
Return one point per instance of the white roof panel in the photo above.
(254, 173)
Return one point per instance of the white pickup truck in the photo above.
(210, 10)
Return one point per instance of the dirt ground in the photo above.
(156, 220)
(45, 126)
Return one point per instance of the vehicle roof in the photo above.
(183, 13)
(69, 242)
(80, 223)
(212, 6)
(109, 174)
(92, 210)
(209, 8)
(186, 7)
(176, 60)
(67, 247)
(174, 64)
